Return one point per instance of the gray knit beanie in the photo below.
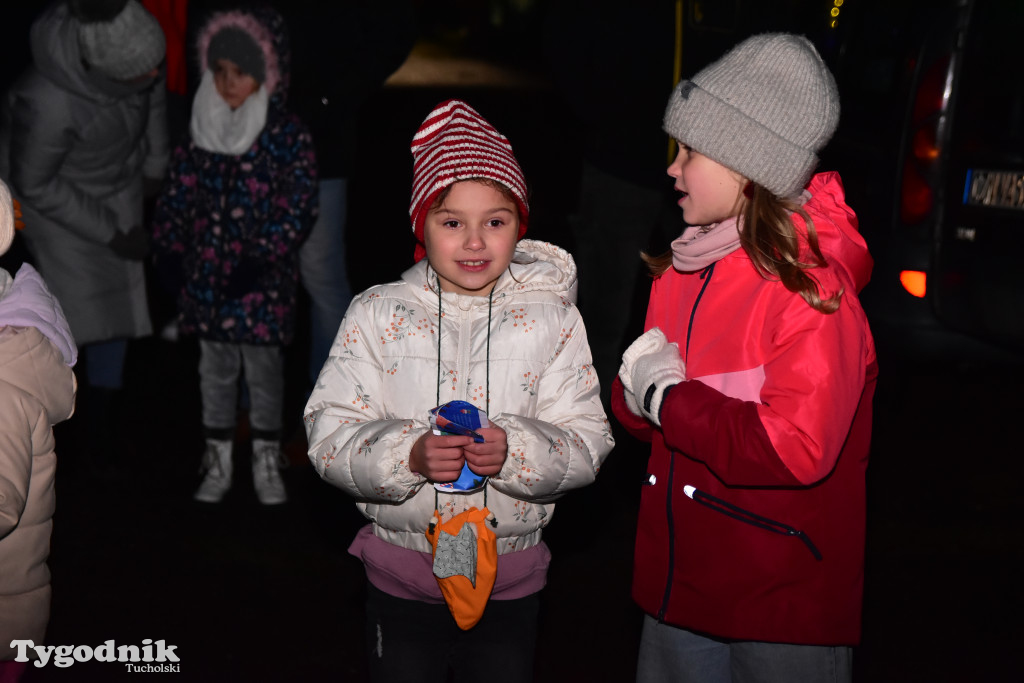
(763, 110)
(128, 45)
(236, 45)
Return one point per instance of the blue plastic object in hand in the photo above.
(462, 419)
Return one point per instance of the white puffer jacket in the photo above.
(371, 400)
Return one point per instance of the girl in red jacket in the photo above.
(753, 383)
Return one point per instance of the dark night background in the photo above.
(270, 594)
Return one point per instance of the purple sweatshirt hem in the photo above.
(409, 574)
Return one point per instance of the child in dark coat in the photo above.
(240, 198)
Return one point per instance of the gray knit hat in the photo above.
(763, 110)
(124, 47)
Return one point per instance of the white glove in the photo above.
(650, 366)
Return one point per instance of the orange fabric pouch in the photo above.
(465, 552)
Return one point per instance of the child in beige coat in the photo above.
(37, 390)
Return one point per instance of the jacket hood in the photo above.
(54, 44)
(543, 267)
(25, 301)
(267, 29)
(840, 240)
(36, 347)
(53, 41)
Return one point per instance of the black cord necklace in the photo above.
(487, 396)
(490, 307)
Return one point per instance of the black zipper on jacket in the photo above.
(706, 276)
(671, 540)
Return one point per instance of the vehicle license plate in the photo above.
(997, 189)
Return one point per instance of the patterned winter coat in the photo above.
(227, 228)
(528, 344)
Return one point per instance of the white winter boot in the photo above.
(267, 460)
(217, 468)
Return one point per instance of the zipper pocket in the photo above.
(749, 517)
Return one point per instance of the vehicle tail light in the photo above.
(915, 282)
(931, 92)
(917, 195)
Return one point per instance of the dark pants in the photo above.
(417, 642)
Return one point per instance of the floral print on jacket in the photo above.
(227, 229)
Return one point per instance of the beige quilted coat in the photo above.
(37, 390)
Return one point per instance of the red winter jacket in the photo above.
(776, 421)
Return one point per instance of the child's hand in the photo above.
(487, 458)
(438, 457)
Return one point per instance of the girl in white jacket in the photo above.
(489, 319)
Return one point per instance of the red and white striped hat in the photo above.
(455, 143)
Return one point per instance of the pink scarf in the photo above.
(701, 245)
